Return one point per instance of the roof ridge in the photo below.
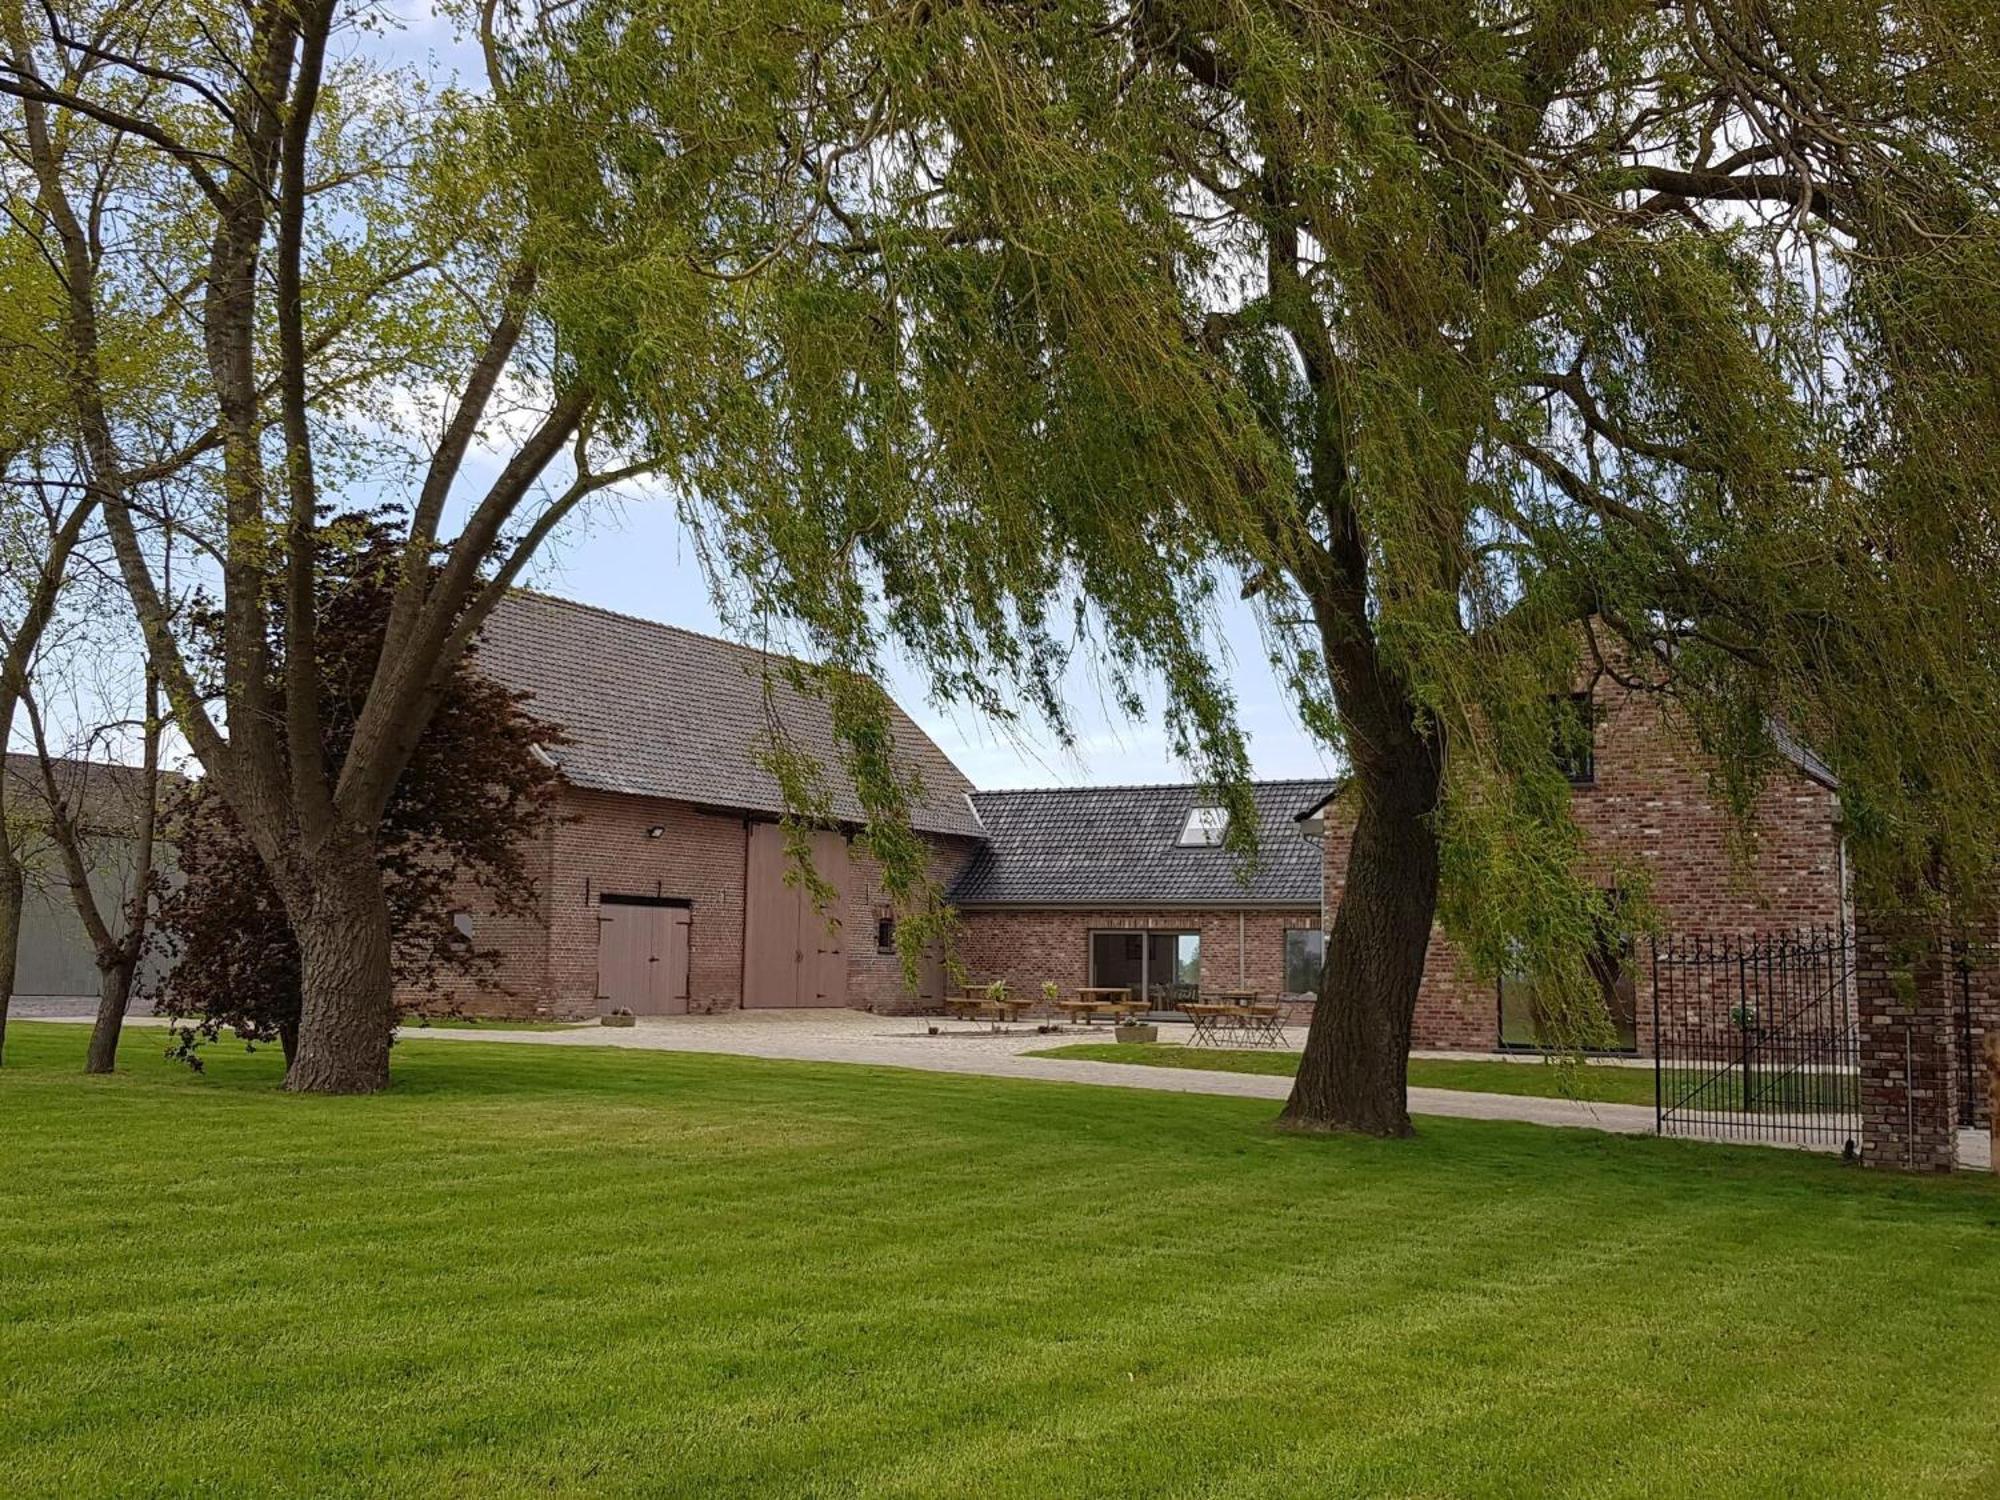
(1145, 786)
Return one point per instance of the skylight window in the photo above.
(1205, 827)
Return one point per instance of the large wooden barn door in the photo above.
(791, 957)
(642, 956)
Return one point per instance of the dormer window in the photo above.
(1204, 828)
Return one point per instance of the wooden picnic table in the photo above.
(1091, 999)
(978, 1001)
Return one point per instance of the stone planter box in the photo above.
(618, 1018)
(1137, 1031)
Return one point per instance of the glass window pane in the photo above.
(1305, 952)
(1114, 959)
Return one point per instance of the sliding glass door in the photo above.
(1146, 963)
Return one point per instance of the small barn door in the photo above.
(930, 977)
(642, 956)
(791, 955)
(670, 974)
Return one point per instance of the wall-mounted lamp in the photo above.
(656, 831)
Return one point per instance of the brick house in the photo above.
(1131, 886)
(661, 878)
(1642, 802)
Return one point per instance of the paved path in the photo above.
(847, 1036)
(53, 1008)
(906, 1042)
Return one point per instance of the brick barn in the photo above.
(1642, 801)
(662, 877)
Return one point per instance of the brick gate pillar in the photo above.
(1906, 1008)
(1981, 1023)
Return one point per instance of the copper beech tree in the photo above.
(1471, 341)
(476, 791)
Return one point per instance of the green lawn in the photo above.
(1706, 1088)
(568, 1270)
(1604, 1085)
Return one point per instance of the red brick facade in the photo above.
(602, 842)
(1239, 948)
(1649, 808)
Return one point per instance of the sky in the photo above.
(632, 556)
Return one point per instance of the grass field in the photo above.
(1604, 1085)
(533, 1270)
(1716, 1087)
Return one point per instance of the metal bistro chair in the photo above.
(1236, 1022)
(1211, 1023)
(1262, 1024)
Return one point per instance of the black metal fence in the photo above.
(1963, 1044)
(1755, 1039)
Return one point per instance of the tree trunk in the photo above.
(1354, 1074)
(114, 992)
(11, 888)
(345, 978)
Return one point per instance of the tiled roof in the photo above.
(656, 711)
(1802, 755)
(1120, 846)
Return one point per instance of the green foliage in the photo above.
(1466, 340)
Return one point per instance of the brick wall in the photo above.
(1909, 1068)
(603, 845)
(1028, 947)
(599, 842)
(1975, 976)
(518, 985)
(875, 980)
(1649, 808)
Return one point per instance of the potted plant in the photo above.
(1130, 1029)
(618, 1017)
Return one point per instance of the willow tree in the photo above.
(1461, 337)
(357, 260)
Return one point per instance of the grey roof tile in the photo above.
(656, 711)
(1120, 846)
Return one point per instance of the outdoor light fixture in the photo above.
(656, 831)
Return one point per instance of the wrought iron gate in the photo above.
(1755, 1039)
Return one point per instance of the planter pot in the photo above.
(1138, 1031)
(618, 1018)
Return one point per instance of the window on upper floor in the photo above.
(1575, 736)
(1204, 828)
